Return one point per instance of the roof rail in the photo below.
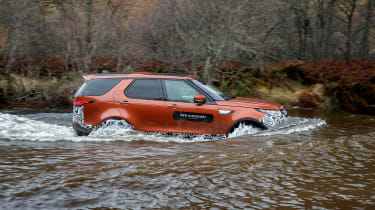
(91, 76)
(167, 74)
(192, 76)
(143, 72)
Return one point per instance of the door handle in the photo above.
(173, 106)
(124, 102)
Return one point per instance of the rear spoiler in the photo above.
(88, 76)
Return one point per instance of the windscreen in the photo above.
(213, 92)
(97, 87)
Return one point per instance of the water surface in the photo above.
(314, 160)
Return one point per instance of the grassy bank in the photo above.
(23, 91)
(328, 84)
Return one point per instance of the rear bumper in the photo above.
(81, 131)
(79, 125)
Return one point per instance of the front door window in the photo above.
(185, 116)
(179, 90)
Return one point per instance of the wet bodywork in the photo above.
(206, 113)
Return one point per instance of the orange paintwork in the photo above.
(250, 103)
(181, 126)
(200, 99)
(157, 115)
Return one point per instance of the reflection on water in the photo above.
(305, 163)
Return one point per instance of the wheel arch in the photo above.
(247, 121)
(114, 118)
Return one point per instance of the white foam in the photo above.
(294, 125)
(21, 128)
(14, 127)
(244, 130)
(289, 126)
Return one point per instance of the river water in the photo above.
(312, 161)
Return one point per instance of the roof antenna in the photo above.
(105, 71)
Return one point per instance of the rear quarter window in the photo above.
(97, 87)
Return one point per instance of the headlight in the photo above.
(276, 113)
(272, 117)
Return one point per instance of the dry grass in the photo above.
(286, 94)
(293, 93)
(51, 92)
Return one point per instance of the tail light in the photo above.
(81, 102)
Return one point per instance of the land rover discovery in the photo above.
(168, 104)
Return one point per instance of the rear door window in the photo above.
(98, 87)
(148, 89)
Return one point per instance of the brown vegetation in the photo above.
(240, 46)
(327, 84)
(350, 84)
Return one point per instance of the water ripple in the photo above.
(329, 167)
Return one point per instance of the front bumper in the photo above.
(271, 120)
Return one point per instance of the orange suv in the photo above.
(168, 104)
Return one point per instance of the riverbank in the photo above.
(49, 92)
(329, 85)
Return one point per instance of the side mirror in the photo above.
(199, 99)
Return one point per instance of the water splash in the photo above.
(14, 127)
(21, 128)
(244, 130)
(57, 127)
(289, 126)
(294, 125)
(112, 128)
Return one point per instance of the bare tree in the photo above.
(204, 33)
(91, 29)
(348, 9)
(211, 31)
(367, 26)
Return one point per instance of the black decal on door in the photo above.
(191, 116)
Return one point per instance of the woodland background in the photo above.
(307, 53)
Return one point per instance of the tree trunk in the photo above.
(207, 71)
(88, 34)
(327, 41)
(365, 41)
(349, 30)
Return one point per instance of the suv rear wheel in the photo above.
(115, 122)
